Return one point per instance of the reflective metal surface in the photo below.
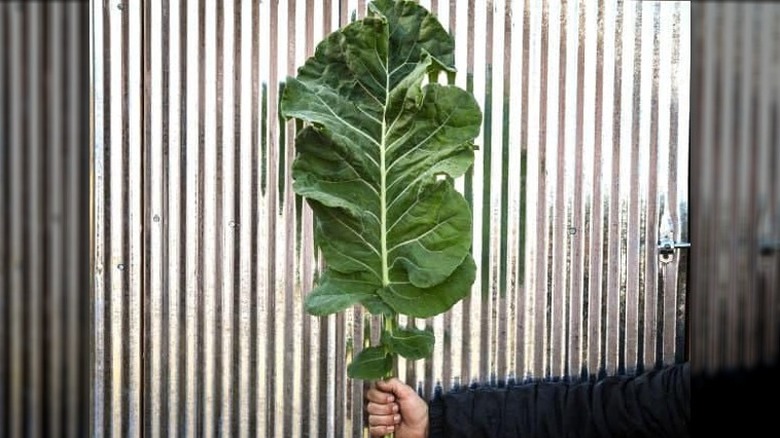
(203, 253)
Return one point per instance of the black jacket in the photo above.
(652, 404)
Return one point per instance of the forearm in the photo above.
(654, 404)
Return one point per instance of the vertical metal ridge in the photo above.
(610, 325)
(472, 317)
(483, 304)
(99, 396)
(154, 192)
(33, 217)
(211, 226)
(538, 338)
(193, 217)
(246, 133)
(296, 16)
(726, 156)
(172, 218)
(79, 333)
(265, 250)
(273, 409)
(595, 254)
(484, 217)
(54, 221)
(558, 220)
(286, 346)
(5, 259)
(230, 226)
(515, 118)
(134, 215)
(115, 248)
(576, 179)
(500, 285)
(310, 326)
(706, 236)
(744, 287)
(675, 307)
(745, 172)
(629, 311)
(651, 213)
(17, 373)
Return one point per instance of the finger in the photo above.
(377, 395)
(383, 420)
(381, 408)
(380, 430)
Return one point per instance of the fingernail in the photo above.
(397, 418)
(390, 398)
(390, 428)
(395, 408)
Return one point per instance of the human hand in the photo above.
(394, 406)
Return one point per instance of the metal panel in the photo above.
(44, 186)
(583, 156)
(735, 270)
(117, 239)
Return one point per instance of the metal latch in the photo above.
(666, 243)
(667, 246)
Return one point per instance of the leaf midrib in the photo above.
(383, 173)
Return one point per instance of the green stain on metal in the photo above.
(282, 150)
(521, 227)
(487, 124)
(504, 191)
(468, 185)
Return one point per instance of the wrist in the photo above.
(422, 431)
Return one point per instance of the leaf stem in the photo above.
(389, 324)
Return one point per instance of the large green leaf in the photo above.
(376, 162)
(411, 343)
(370, 363)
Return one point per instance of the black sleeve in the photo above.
(653, 404)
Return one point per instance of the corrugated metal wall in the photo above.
(203, 254)
(735, 220)
(44, 219)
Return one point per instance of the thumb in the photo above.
(396, 387)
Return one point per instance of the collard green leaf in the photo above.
(410, 343)
(367, 163)
(336, 291)
(370, 363)
(395, 236)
